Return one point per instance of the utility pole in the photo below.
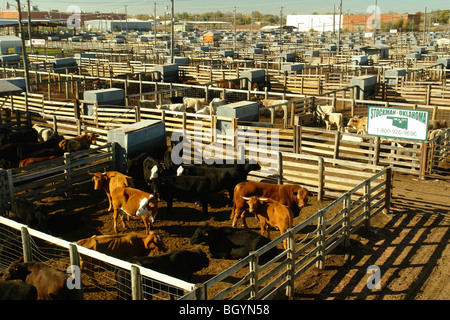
(172, 27)
(24, 49)
(281, 22)
(424, 24)
(126, 22)
(29, 26)
(374, 31)
(154, 20)
(235, 35)
(334, 18)
(339, 29)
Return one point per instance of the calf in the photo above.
(17, 290)
(336, 119)
(50, 284)
(293, 196)
(135, 203)
(271, 213)
(109, 181)
(359, 124)
(231, 243)
(194, 103)
(180, 264)
(322, 111)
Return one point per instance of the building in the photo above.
(118, 25)
(349, 22)
(316, 22)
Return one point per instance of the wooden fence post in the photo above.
(423, 160)
(136, 283)
(26, 245)
(280, 167)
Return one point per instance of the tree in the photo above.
(443, 17)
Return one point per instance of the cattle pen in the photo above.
(358, 200)
(374, 201)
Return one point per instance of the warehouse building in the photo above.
(118, 25)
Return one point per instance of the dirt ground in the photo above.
(410, 245)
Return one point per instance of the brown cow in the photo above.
(293, 196)
(135, 203)
(50, 284)
(28, 161)
(270, 213)
(81, 142)
(109, 181)
(122, 247)
(360, 124)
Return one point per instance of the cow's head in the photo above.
(99, 180)
(254, 202)
(301, 197)
(201, 234)
(92, 137)
(148, 206)
(16, 270)
(153, 242)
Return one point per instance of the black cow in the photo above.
(231, 243)
(180, 264)
(8, 155)
(135, 169)
(17, 290)
(22, 135)
(224, 178)
(185, 188)
(30, 150)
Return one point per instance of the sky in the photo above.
(242, 6)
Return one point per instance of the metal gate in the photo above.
(438, 157)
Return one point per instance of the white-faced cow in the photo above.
(135, 203)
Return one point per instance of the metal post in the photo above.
(24, 49)
(29, 26)
(172, 32)
(339, 29)
(136, 283)
(27, 256)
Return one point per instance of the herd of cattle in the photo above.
(137, 192)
